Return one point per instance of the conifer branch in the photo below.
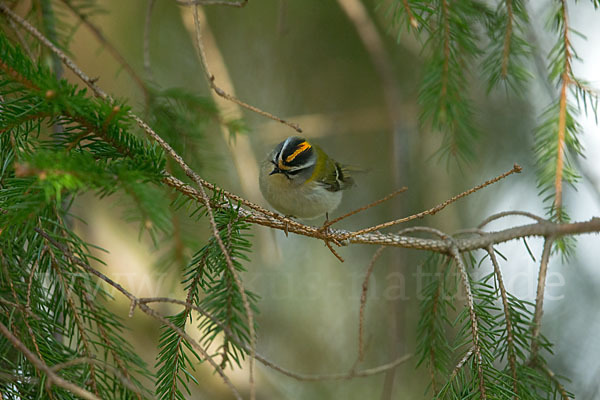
(53, 378)
(123, 374)
(411, 18)
(25, 310)
(562, 113)
(66, 289)
(512, 360)
(507, 38)
(77, 261)
(472, 316)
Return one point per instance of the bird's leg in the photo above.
(285, 226)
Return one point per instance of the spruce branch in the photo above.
(562, 113)
(53, 378)
(77, 261)
(66, 289)
(507, 37)
(25, 310)
(512, 360)
(141, 303)
(472, 316)
(267, 217)
(353, 372)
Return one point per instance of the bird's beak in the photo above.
(276, 170)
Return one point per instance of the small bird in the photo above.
(300, 180)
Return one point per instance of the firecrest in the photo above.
(300, 180)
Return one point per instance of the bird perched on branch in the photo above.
(300, 180)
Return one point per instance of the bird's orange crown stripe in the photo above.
(301, 147)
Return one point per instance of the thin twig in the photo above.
(147, 25)
(335, 253)
(462, 362)
(508, 213)
(363, 303)
(363, 208)
(553, 378)
(238, 4)
(539, 297)
(109, 46)
(21, 39)
(365, 288)
(53, 378)
(392, 239)
(439, 207)
(512, 361)
(341, 376)
(211, 81)
(472, 316)
(120, 372)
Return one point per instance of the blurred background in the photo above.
(343, 77)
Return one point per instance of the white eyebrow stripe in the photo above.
(296, 168)
(282, 151)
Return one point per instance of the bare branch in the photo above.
(239, 4)
(509, 213)
(539, 297)
(363, 302)
(109, 46)
(392, 239)
(439, 207)
(211, 81)
(343, 376)
(363, 208)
